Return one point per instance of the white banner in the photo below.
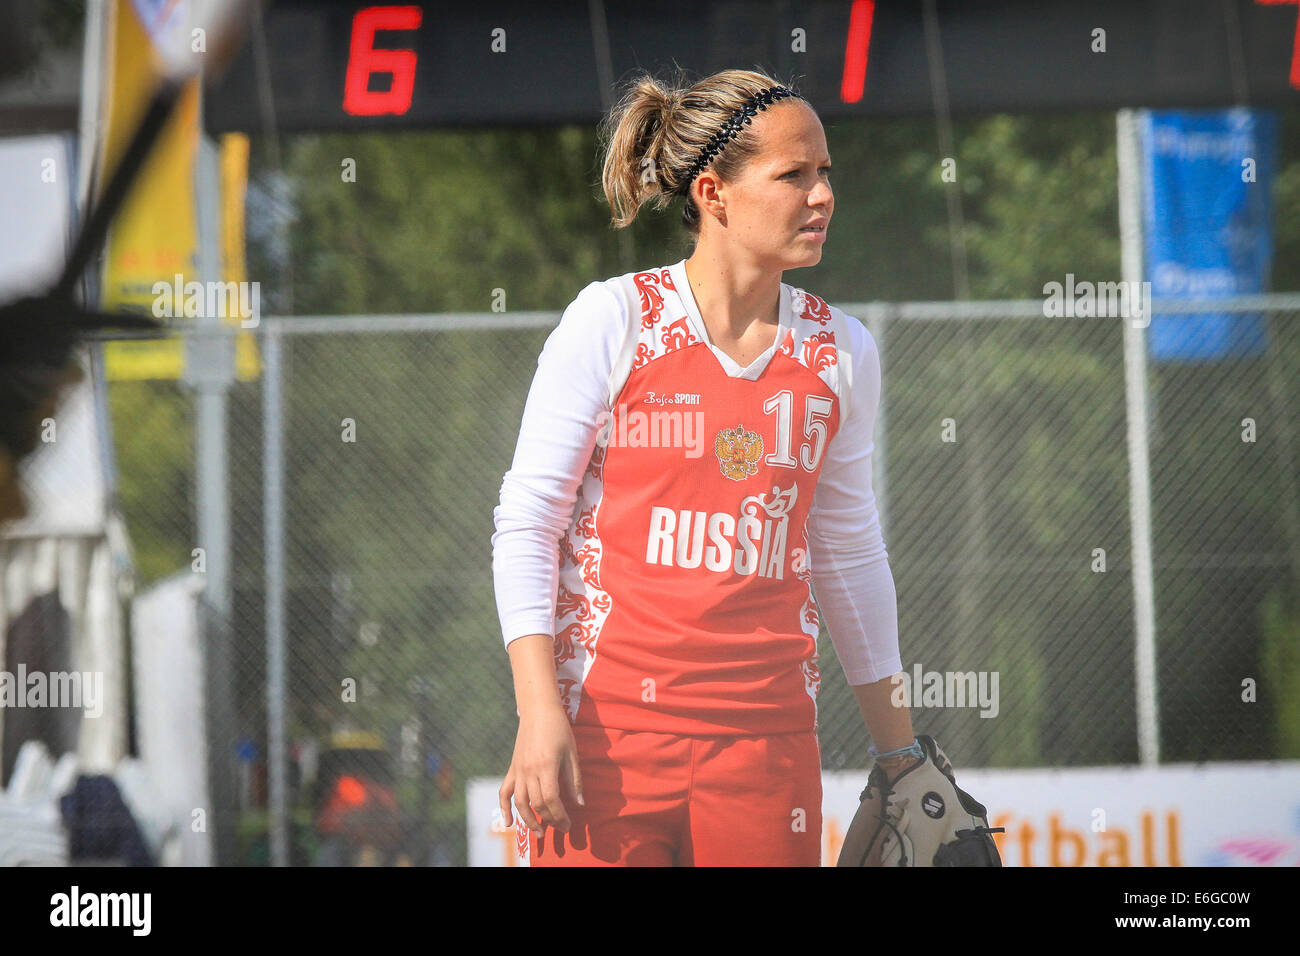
(1223, 814)
(171, 718)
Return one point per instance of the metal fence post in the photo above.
(273, 518)
(1128, 153)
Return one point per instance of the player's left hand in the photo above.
(919, 817)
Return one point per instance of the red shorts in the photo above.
(656, 799)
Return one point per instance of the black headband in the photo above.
(739, 117)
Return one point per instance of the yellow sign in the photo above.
(155, 237)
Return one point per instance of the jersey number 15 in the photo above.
(816, 410)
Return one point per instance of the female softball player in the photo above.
(695, 458)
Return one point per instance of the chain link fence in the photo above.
(1004, 485)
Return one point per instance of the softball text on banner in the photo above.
(1101, 816)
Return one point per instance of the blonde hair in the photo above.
(654, 134)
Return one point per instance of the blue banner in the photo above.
(1207, 226)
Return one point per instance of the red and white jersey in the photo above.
(668, 513)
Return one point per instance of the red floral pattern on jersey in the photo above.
(776, 503)
(567, 602)
(810, 621)
(589, 558)
(811, 307)
(652, 300)
(819, 352)
(812, 677)
(575, 634)
(581, 605)
(566, 686)
(813, 347)
(562, 648)
(678, 335)
(659, 334)
(644, 353)
(521, 838)
(811, 615)
(787, 344)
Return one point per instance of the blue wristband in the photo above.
(913, 749)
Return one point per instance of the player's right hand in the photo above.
(544, 775)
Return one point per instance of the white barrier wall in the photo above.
(1222, 814)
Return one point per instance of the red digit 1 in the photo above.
(857, 45)
(1294, 78)
(364, 61)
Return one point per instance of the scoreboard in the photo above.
(336, 64)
